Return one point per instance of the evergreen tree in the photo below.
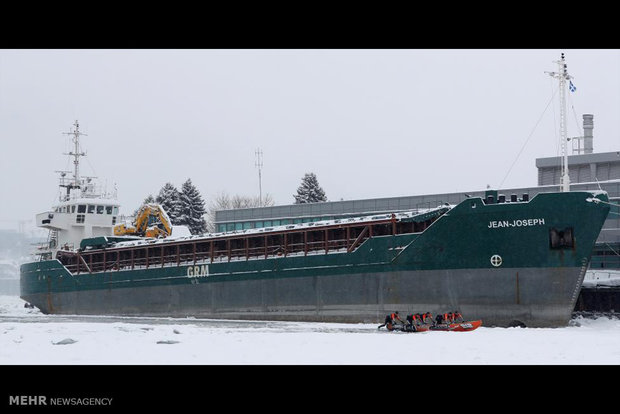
(309, 191)
(170, 200)
(192, 209)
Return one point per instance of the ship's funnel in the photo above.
(588, 137)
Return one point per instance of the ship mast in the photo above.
(76, 155)
(562, 75)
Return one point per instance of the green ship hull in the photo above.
(508, 264)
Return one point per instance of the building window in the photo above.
(230, 226)
(247, 225)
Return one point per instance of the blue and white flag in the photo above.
(571, 86)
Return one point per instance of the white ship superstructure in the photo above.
(83, 210)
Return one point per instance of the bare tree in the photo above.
(224, 201)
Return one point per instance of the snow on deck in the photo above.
(288, 227)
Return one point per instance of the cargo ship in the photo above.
(508, 262)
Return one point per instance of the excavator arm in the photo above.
(150, 221)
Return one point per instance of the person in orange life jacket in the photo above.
(415, 319)
(457, 317)
(418, 319)
(427, 318)
(412, 321)
(396, 318)
(390, 320)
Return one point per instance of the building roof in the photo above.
(613, 156)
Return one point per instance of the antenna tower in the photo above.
(259, 164)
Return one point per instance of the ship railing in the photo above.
(232, 249)
(113, 262)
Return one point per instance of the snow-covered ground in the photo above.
(29, 337)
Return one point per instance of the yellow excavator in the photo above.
(150, 221)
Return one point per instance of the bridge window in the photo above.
(82, 208)
(91, 209)
(99, 209)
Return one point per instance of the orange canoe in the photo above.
(458, 327)
(464, 326)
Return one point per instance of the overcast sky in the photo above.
(368, 123)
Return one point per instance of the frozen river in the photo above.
(29, 337)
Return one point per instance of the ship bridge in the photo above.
(84, 208)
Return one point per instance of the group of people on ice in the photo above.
(415, 320)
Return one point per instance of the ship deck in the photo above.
(339, 236)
